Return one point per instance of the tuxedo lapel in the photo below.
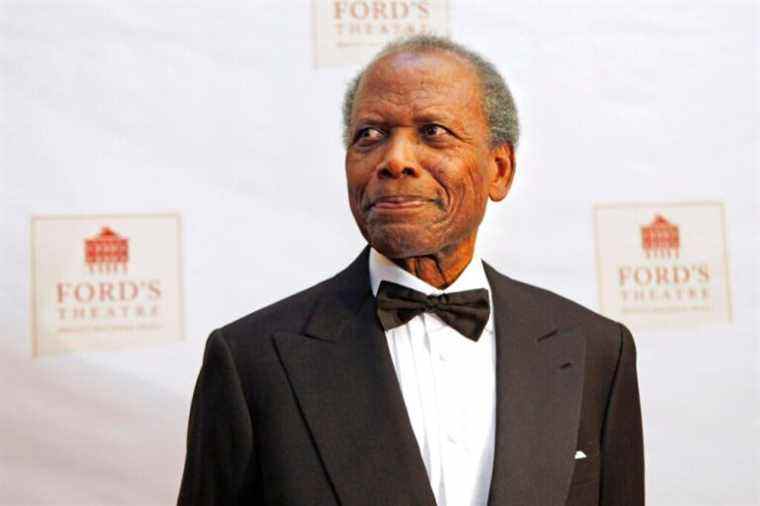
(539, 382)
(342, 376)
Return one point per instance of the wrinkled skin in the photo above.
(420, 166)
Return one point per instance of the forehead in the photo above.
(415, 82)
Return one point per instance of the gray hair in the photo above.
(498, 104)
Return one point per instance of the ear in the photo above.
(503, 163)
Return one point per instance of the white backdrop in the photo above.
(216, 112)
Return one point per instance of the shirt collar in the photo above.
(381, 268)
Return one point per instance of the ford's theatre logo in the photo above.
(106, 252)
(660, 238)
(662, 265)
(379, 17)
(110, 297)
(351, 31)
(100, 286)
(660, 278)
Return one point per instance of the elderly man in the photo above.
(419, 375)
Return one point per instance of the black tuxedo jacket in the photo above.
(298, 404)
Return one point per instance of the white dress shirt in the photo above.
(449, 388)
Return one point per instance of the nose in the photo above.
(399, 159)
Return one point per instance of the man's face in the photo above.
(420, 167)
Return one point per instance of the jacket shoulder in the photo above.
(603, 334)
(292, 313)
(567, 311)
(289, 314)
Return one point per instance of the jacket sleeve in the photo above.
(219, 434)
(622, 438)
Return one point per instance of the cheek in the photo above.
(358, 180)
(445, 172)
(478, 183)
(464, 180)
(477, 177)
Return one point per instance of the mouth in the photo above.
(398, 202)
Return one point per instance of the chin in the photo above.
(401, 241)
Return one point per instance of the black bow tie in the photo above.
(465, 311)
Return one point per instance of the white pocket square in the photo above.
(579, 455)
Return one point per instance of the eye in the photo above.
(367, 136)
(433, 130)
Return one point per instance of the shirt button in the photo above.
(452, 439)
(443, 356)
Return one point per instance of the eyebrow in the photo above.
(437, 117)
(373, 119)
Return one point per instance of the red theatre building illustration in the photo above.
(660, 239)
(106, 252)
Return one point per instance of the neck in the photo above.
(442, 268)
